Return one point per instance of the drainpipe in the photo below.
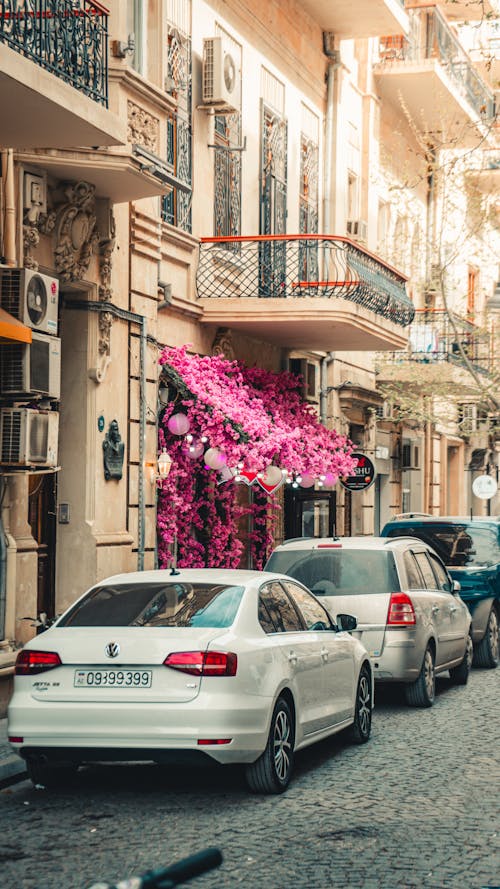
(334, 64)
(9, 222)
(323, 385)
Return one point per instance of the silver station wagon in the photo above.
(410, 616)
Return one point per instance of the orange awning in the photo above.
(12, 330)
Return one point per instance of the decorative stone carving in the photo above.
(76, 231)
(31, 238)
(143, 128)
(223, 344)
(106, 247)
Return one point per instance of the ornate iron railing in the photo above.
(277, 267)
(433, 338)
(69, 38)
(432, 38)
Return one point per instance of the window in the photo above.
(427, 572)
(274, 601)
(315, 617)
(157, 605)
(137, 26)
(443, 581)
(227, 162)
(176, 206)
(413, 576)
(338, 572)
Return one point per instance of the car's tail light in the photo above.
(203, 663)
(30, 662)
(401, 612)
(206, 742)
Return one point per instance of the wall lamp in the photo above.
(163, 467)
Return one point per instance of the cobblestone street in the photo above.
(416, 807)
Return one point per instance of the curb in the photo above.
(12, 770)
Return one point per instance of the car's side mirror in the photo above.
(346, 622)
(455, 586)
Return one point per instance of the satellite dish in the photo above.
(36, 300)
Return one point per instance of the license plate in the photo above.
(113, 678)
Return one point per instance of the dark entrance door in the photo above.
(42, 518)
(309, 513)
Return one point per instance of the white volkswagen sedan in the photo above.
(226, 665)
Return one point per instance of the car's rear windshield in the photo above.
(156, 605)
(338, 572)
(460, 545)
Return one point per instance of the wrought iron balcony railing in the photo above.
(69, 38)
(296, 266)
(433, 338)
(432, 38)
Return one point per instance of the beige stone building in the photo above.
(247, 179)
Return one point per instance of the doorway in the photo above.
(42, 518)
(309, 513)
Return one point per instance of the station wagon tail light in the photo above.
(401, 611)
(30, 662)
(203, 663)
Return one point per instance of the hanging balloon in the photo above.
(306, 480)
(272, 475)
(330, 480)
(178, 424)
(193, 449)
(215, 458)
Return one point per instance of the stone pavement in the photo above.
(12, 767)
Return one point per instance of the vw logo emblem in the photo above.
(112, 649)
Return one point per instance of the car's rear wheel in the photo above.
(51, 775)
(361, 727)
(487, 652)
(460, 675)
(422, 692)
(271, 772)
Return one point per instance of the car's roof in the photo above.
(189, 575)
(355, 543)
(439, 519)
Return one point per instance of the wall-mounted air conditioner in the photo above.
(410, 455)
(31, 297)
(28, 437)
(221, 77)
(33, 369)
(358, 229)
(384, 411)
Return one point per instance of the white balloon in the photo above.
(272, 475)
(215, 458)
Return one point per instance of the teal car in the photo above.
(470, 549)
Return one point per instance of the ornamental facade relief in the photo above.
(143, 128)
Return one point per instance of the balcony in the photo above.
(314, 292)
(470, 10)
(430, 75)
(436, 344)
(358, 18)
(54, 75)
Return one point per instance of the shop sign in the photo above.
(363, 474)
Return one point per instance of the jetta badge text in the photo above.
(112, 649)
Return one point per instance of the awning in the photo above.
(12, 330)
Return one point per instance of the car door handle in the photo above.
(324, 654)
(292, 657)
(453, 608)
(435, 609)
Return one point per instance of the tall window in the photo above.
(137, 25)
(273, 178)
(308, 195)
(472, 289)
(176, 208)
(227, 162)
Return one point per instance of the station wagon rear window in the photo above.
(156, 605)
(338, 572)
(459, 545)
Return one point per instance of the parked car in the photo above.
(196, 665)
(410, 616)
(470, 548)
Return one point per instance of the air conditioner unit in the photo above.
(384, 411)
(30, 297)
(358, 229)
(410, 455)
(28, 437)
(31, 369)
(221, 77)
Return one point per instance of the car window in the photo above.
(314, 615)
(279, 608)
(458, 545)
(156, 605)
(427, 572)
(443, 581)
(338, 572)
(413, 575)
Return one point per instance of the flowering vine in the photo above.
(254, 417)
